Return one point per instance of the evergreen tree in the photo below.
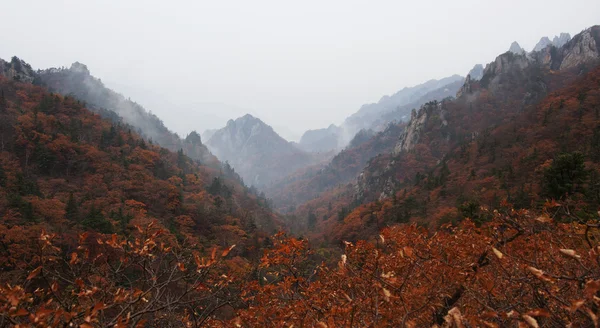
(565, 176)
(72, 210)
(95, 220)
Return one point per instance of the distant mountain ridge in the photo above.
(256, 151)
(376, 116)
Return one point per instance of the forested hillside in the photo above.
(65, 171)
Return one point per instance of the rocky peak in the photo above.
(17, 69)
(466, 87)
(584, 47)
(411, 135)
(476, 73)
(515, 48)
(543, 43)
(561, 40)
(194, 138)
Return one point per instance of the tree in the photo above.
(96, 221)
(312, 220)
(565, 176)
(72, 210)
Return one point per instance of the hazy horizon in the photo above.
(296, 66)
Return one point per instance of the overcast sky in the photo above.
(295, 64)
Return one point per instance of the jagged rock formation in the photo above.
(370, 115)
(543, 43)
(515, 48)
(582, 48)
(466, 88)
(256, 151)
(321, 140)
(412, 133)
(561, 40)
(476, 73)
(18, 70)
(558, 41)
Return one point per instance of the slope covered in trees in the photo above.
(309, 183)
(64, 169)
(78, 82)
(487, 146)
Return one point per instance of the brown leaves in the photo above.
(539, 274)
(591, 288)
(569, 253)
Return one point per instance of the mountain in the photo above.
(320, 181)
(369, 113)
(77, 81)
(476, 73)
(493, 142)
(321, 140)
(515, 48)
(561, 40)
(543, 43)
(402, 113)
(256, 151)
(17, 70)
(557, 41)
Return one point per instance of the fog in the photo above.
(297, 66)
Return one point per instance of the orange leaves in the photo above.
(591, 288)
(226, 251)
(34, 273)
(539, 274)
(73, 258)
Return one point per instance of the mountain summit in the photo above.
(256, 151)
(515, 48)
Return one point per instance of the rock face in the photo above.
(411, 135)
(369, 114)
(515, 48)
(476, 73)
(321, 140)
(466, 87)
(18, 70)
(543, 43)
(561, 40)
(558, 41)
(582, 48)
(256, 151)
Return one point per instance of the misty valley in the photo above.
(470, 200)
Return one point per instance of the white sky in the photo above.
(295, 64)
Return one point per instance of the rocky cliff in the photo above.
(18, 70)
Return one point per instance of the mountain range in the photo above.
(257, 152)
(475, 198)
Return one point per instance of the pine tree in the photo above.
(72, 210)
